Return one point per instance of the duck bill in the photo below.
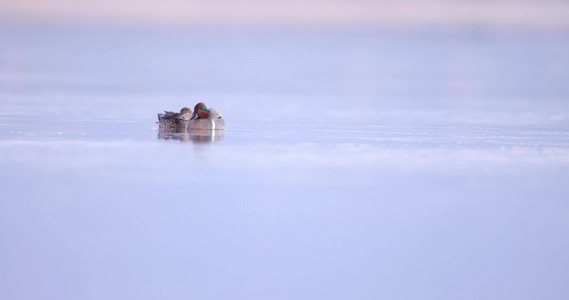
(194, 116)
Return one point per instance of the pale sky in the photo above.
(338, 13)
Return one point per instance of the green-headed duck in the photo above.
(206, 119)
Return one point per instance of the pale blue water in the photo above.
(355, 166)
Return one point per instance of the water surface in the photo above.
(355, 166)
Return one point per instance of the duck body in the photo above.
(206, 119)
(173, 121)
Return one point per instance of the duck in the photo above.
(170, 120)
(205, 119)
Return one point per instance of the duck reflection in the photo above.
(196, 136)
(206, 136)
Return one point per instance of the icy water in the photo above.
(355, 166)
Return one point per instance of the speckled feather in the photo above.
(214, 121)
(170, 120)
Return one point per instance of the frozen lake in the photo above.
(355, 166)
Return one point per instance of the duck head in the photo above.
(200, 112)
(185, 114)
